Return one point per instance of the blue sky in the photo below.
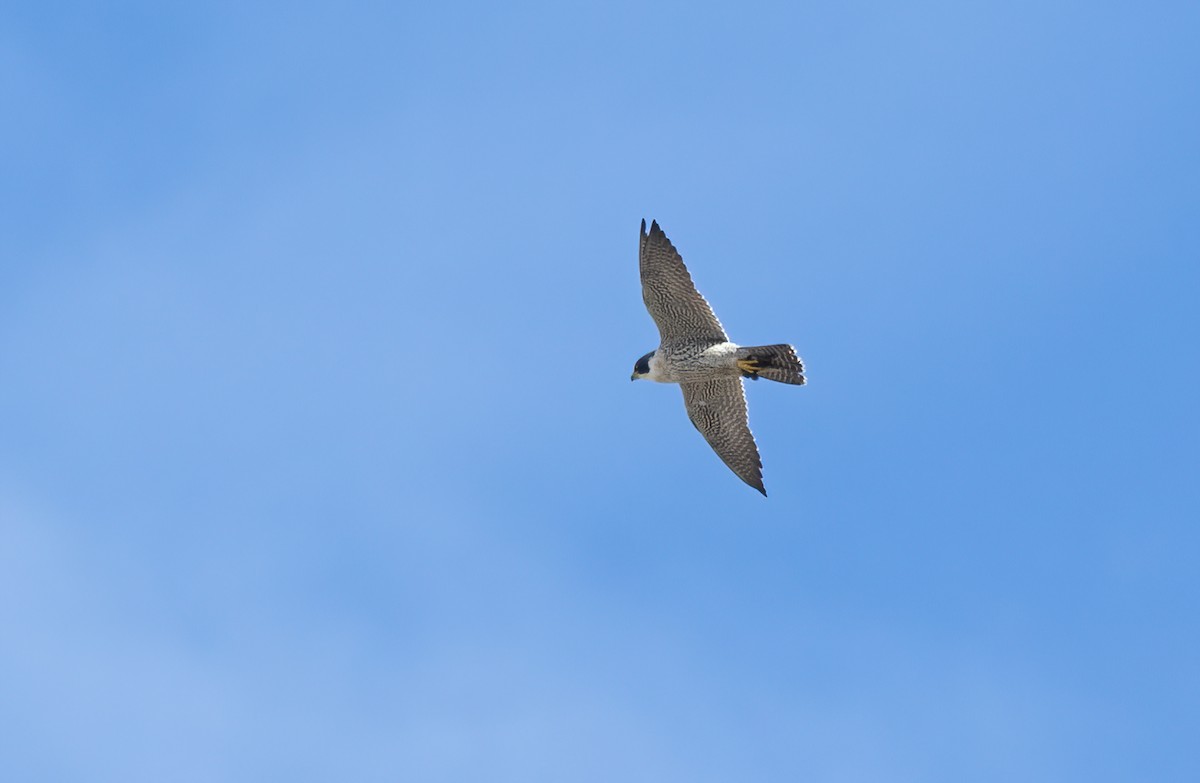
(318, 457)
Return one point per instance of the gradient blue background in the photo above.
(319, 461)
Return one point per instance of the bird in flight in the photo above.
(694, 352)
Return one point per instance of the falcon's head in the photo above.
(641, 368)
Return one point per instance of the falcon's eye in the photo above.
(643, 365)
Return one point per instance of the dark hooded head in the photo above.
(641, 367)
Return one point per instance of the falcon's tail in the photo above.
(773, 362)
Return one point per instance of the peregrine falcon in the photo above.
(694, 352)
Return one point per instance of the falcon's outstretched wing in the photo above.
(670, 296)
(718, 409)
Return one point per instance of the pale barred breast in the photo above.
(692, 360)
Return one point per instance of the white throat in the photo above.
(658, 370)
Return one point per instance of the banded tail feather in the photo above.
(773, 362)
